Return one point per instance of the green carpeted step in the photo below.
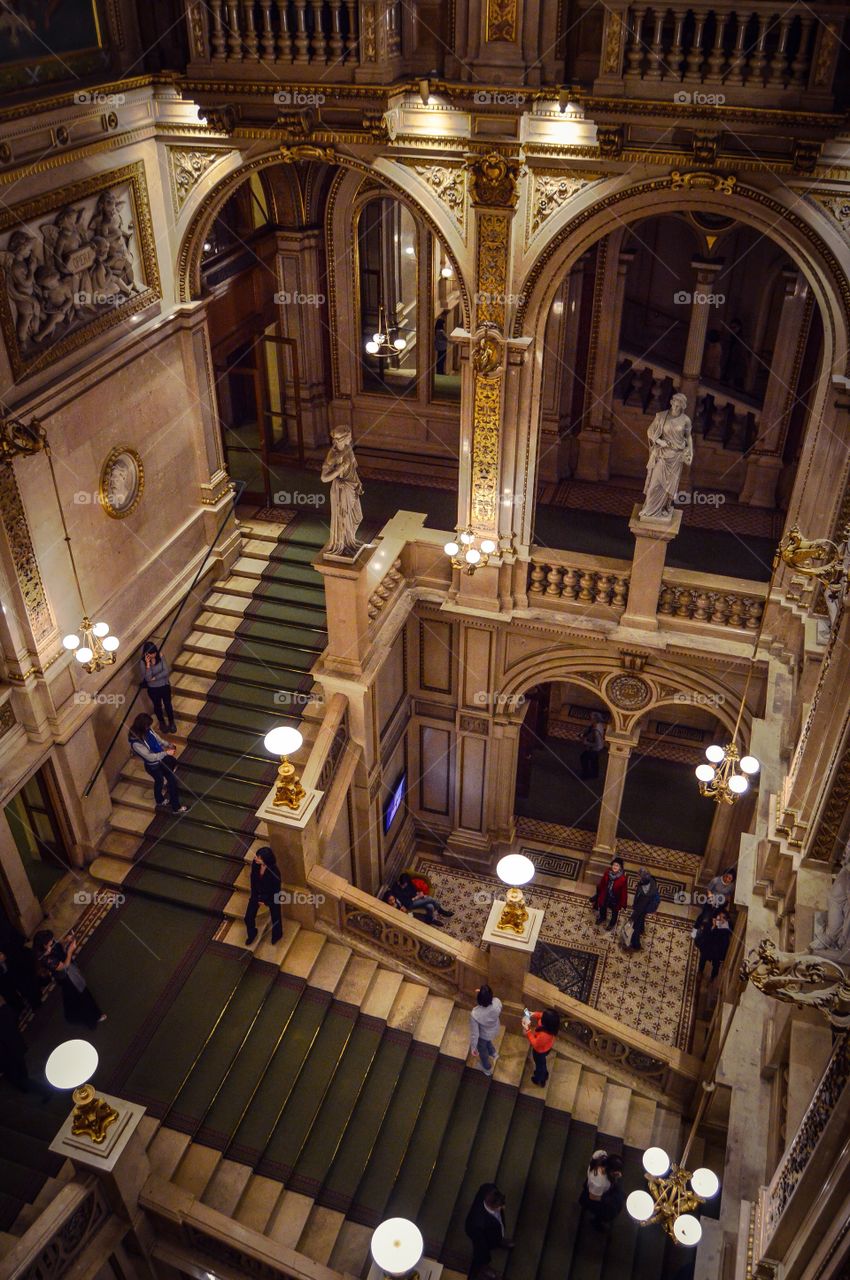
(519, 1154)
(255, 771)
(323, 1143)
(222, 788)
(305, 529)
(28, 1149)
(561, 1231)
(364, 1126)
(309, 600)
(246, 684)
(482, 1164)
(251, 1137)
(447, 1177)
(250, 648)
(198, 830)
(236, 728)
(424, 1147)
(18, 1180)
(623, 1237)
(303, 578)
(306, 622)
(272, 631)
(532, 1215)
(160, 887)
(238, 1090)
(379, 1178)
(308, 1095)
(161, 1069)
(192, 1102)
(296, 552)
(651, 1252)
(28, 1113)
(589, 1250)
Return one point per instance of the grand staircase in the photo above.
(331, 1092)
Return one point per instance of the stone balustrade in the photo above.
(386, 590)
(711, 601)
(586, 584)
(289, 33)
(718, 413)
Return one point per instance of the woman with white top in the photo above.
(484, 1027)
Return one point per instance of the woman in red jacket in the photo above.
(611, 894)
(540, 1030)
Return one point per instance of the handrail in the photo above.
(237, 490)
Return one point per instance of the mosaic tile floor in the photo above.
(651, 990)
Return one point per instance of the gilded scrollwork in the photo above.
(485, 450)
(448, 182)
(551, 189)
(487, 351)
(700, 180)
(807, 981)
(186, 168)
(493, 180)
(502, 21)
(14, 521)
(492, 270)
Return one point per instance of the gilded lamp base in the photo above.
(672, 1197)
(289, 792)
(514, 913)
(92, 1115)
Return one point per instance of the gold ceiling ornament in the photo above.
(826, 561)
(19, 439)
(186, 168)
(448, 183)
(493, 180)
(807, 981)
(293, 153)
(629, 692)
(502, 21)
(487, 351)
(700, 180)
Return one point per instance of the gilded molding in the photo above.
(550, 190)
(502, 21)
(700, 180)
(185, 170)
(14, 520)
(486, 414)
(491, 276)
(612, 52)
(828, 830)
(493, 180)
(837, 206)
(7, 719)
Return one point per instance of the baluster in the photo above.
(603, 589)
(755, 608)
(684, 603)
(218, 45)
(252, 48)
(234, 42)
(535, 587)
(320, 41)
(302, 36)
(701, 606)
(285, 42)
(779, 62)
(353, 38)
(267, 35)
(695, 57)
(717, 56)
(621, 588)
(586, 583)
(800, 65)
(736, 612)
(738, 59)
(676, 56)
(758, 62)
(553, 577)
(720, 612)
(337, 44)
(568, 592)
(667, 601)
(655, 70)
(634, 59)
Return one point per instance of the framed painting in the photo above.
(73, 264)
(48, 40)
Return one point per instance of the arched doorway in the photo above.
(554, 783)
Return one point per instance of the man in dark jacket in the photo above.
(713, 942)
(485, 1226)
(647, 901)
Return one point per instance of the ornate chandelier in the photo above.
(727, 774)
(468, 553)
(382, 344)
(670, 1200)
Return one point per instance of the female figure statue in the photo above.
(340, 472)
(671, 446)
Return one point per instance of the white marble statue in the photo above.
(671, 447)
(832, 927)
(340, 472)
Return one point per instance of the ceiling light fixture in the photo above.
(727, 775)
(466, 552)
(382, 344)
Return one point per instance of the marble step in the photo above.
(614, 1112)
(46, 1196)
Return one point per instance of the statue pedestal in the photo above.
(293, 835)
(120, 1160)
(509, 956)
(651, 538)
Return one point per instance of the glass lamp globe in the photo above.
(71, 1064)
(515, 869)
(399, 344)
(656, 1161)
(409, 250)
(372, 347)
(640, 1206)
(451, 548)
(111, 643)
(687, 1229)
(101, 629)
(738, 784)
(704, 772)
(472, 556)
(83, 654)
(71, 642)
(397, 1246)
(283, 740)
(749, 764)
(705, 1183)
(714, 753)
(488, 546)
(446, 273)
(466, 538)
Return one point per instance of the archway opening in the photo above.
(560, 768)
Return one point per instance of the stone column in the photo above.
(619, 751)
(651, 538)
(764, 461)
(594, 440)
(18, 900)
(706, 273)
(302, 309)
(505, 748)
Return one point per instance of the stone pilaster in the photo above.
(651, 539)
(619, 752)
(705, 275)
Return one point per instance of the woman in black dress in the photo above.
(265, 889)
(78, 1003)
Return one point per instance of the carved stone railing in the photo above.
(73, 1223)
(813, 1158)
(721, 53)
(294, 33)
(718, 413)
(589, 585)
(387, 589)
(711, 601)
(328, 749)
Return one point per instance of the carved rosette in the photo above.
(628, 692)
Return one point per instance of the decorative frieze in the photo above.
(186, 168)
(550, 191)
(448, 183)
